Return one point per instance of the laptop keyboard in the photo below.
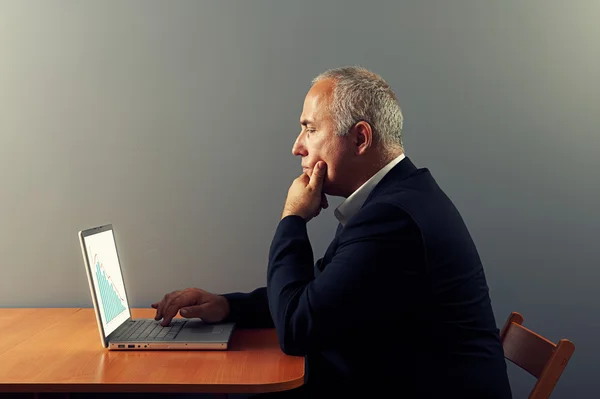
(151, 330)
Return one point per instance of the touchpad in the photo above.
(198, 327)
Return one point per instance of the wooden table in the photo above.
(59, 350)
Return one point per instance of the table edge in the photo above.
(159, 387)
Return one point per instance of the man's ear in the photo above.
(362, 136)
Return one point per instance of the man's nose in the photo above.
(298, 149)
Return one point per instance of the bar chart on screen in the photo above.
(107, 278)
(112, 300)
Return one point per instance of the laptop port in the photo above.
(121, 346)
(131, 346)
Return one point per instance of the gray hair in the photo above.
(361, 95)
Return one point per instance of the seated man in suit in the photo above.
(399, 300)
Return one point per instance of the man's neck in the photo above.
(371, 167)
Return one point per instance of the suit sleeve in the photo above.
(365, 280)
(249, 309)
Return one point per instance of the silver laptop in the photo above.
(117, 328)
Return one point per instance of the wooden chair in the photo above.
(535, 354)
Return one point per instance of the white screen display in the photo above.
(107, 279)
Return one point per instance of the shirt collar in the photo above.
(355, 201)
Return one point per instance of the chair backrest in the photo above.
(535, 354)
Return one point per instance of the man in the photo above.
(399, 300)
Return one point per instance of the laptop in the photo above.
(118, 330)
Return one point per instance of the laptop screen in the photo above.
(107, 280)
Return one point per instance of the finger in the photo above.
(302, 179)
(194, 311)
(168, 316)
(163, 304)
(166, 307)
(171, 310)
(318, 175)
(154, 305)
(160, 307)
(324, 202)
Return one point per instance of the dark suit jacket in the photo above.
(399, 301)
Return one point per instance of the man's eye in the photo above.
(310, 130)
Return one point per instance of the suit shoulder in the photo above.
(382, 208)
(379, 217)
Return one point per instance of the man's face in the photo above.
(317, 140)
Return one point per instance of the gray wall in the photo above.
(175, 120)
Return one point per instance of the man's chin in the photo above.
(329, 190)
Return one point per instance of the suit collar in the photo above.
(355, 201)
(400, 172)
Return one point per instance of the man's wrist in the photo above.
(226, 306)
(287, 213)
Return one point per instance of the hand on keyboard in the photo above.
(192, 302)
(148, 330)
